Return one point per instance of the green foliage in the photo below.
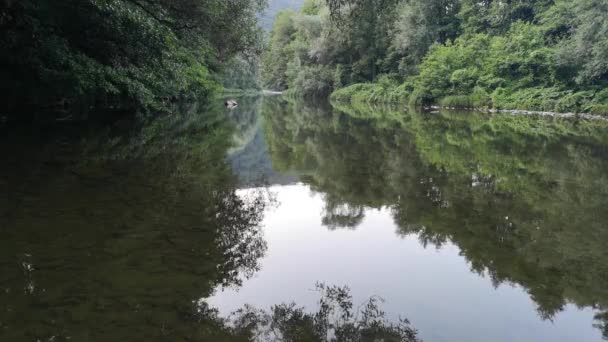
(479, 99)
(274, 7)
(311, 7)
(540, 54)
(241, 73)
(550, 99)
(278, 53)
(305, 47)
(419, 25)
(517, 60)
(587, 48)
(457, 101)
(73, 57)
(314, 80)
(495, 17)
(289, 62)
(384, 91)
(157, 207)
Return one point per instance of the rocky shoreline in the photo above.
(586, 116)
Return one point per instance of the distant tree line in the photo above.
(533, 54)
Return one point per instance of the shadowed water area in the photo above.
(294, 221)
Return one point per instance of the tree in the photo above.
(76, 56)
(419, 25)
(495, 17)
(278, 53)
(587, 48)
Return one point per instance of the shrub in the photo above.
(384, 90)
(313, 81)
(599, 109)
(480, 98)
(574, 102)
(346, 94)
(420, 98)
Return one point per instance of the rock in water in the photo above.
(231, 104)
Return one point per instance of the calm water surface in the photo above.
(194, 226)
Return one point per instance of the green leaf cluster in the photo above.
(534, 55)
(77, 57)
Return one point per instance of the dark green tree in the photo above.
(73, 57)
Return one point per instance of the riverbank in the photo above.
(531, 101)
(587, 116)
(250, 92)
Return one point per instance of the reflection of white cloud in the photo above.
(433, 288)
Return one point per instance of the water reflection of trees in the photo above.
(344, 159)
(335, 319)
(523, 198)
(115, 235)
(245, 120)
(249, 157)
(339, 215)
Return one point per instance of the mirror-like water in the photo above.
(472, 227)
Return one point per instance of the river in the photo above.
(206, 224)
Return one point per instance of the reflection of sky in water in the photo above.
(434, 289)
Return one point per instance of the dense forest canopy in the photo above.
(77, 55)
(539, 54)
(72, 58)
